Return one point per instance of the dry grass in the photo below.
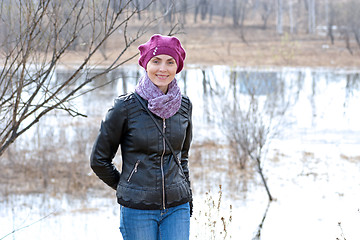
(353, 159)
(53, 177)
(37, 173)
(221, 44)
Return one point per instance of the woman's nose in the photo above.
(163, 67)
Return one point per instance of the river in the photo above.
(310, 157)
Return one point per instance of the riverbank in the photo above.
(208, 44)
(223, 46)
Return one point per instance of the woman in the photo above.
(153, 188)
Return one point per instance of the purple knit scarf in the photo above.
(162, 105)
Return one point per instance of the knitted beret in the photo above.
(158, 45)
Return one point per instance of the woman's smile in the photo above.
(162, 76)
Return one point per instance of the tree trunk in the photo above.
(196, 12)
(184, 11)
(263, 179)
(347, 42)
(291, 16)
(311, 16)
(137, 6)
(266, 12)
(204, 6)
(223, 12)
(331, 23)
(279, 19)
(235, 14)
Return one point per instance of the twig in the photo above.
(29, 225)
(342, 232)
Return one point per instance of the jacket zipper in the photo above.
(134, 170)
(162, 167)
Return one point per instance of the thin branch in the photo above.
(26, 226)
(40, 38)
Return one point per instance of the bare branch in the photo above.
(32, 50)
(26, 226)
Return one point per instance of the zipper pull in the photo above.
(164, 125)
(134, 170)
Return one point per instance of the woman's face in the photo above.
(161, 70)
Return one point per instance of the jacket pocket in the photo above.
(134, 170)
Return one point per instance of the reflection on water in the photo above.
(205, 87)
(321, 108)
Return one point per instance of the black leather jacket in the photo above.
(150, 177)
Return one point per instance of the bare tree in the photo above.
(331, 22)
(37, 36)
(184, 11)
(167, 8)
(279, 16)
(223, 9)
(249, 134)
(345, 16)
(311, 16)
(239, 10)
(211, 12)
(291, 16)
(353, 20)
(203, 7)
(265, 11)
(252, 116)
(137, 5)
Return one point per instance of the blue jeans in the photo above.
(169, 224)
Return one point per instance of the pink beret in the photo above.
(158, 45)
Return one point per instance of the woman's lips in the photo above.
(160, 76)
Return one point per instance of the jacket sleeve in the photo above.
(107, 144)
(186, 146)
